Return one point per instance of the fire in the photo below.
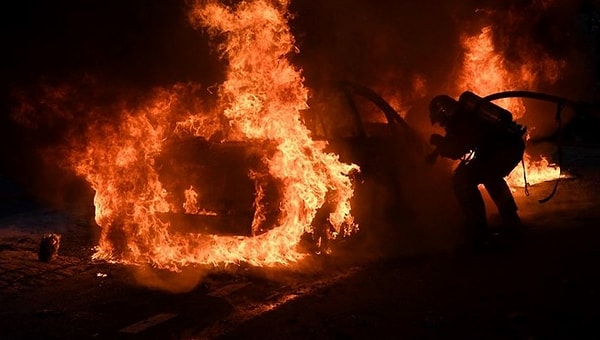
(191, 201)
(262, 98)
(190, 206)
(537, 172)
(486, 71)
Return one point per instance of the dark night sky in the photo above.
(149, 42)
(146, 43)
(143, 41)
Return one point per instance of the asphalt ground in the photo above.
(543, 287)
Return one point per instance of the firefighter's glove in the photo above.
(447, 147)
(436, 139)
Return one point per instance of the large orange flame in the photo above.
(486, 71)
(263, 97)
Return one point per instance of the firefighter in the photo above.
(489, 144)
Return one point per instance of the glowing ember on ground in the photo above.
(262, 99)
(485, 71)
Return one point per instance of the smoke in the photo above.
(69, 63)
(386, 45)
(174, 282)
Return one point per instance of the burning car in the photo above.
(359, 126)
(247, 179)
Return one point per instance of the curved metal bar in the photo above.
(531, 95)
(390, 114)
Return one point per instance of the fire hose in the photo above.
(561, 103)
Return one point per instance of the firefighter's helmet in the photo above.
(441, 109)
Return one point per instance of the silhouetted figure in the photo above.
(489, 144)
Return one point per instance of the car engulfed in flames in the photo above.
(223, 188)
(259, 177)
(251, 159)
